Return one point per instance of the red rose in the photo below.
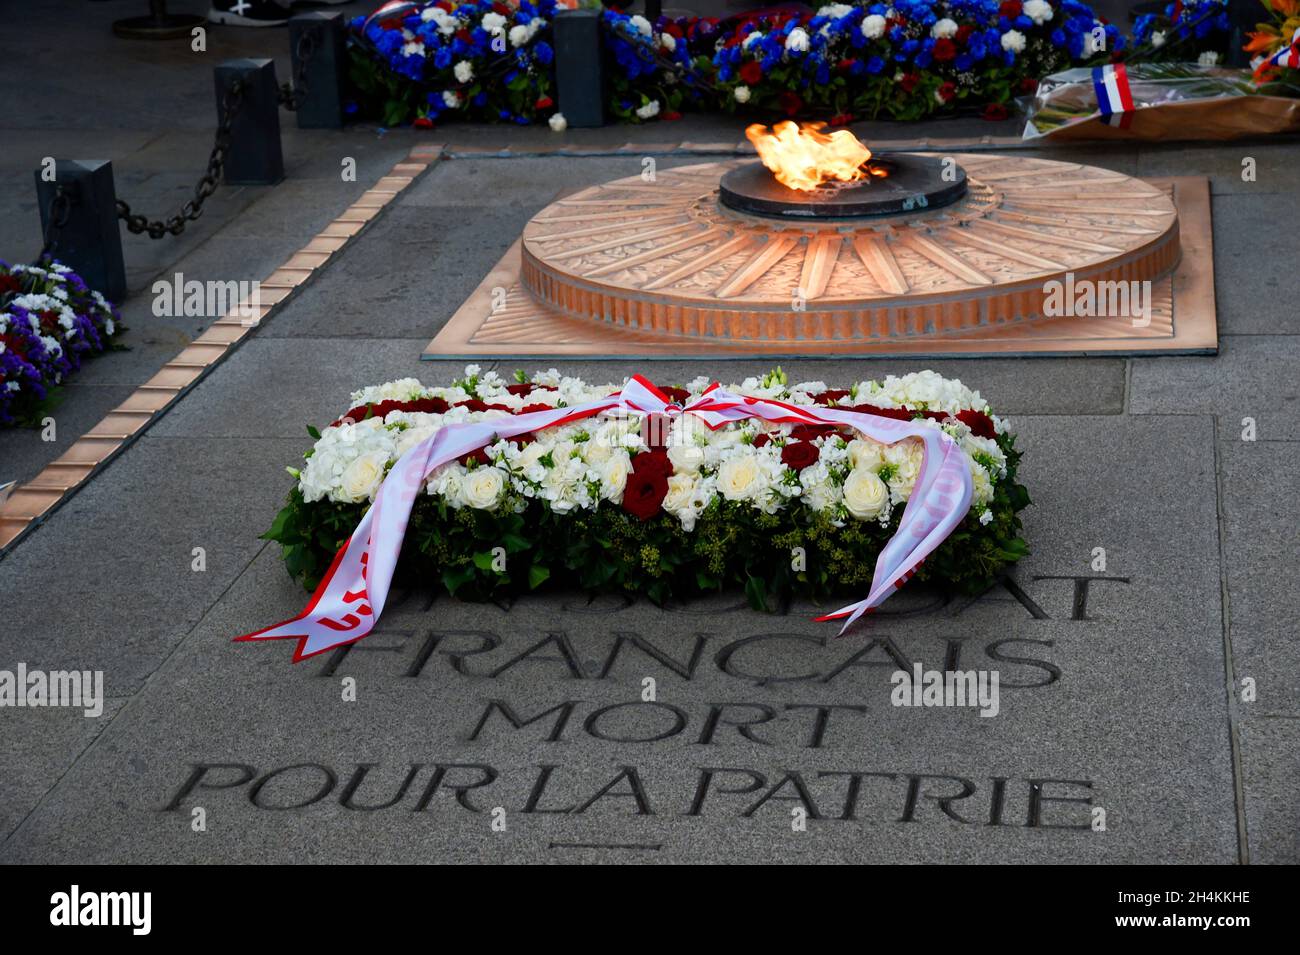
(644, 492)
(908, 81)
(1010, 9)
(653, 462)
(9, 283)
(751, 73)
(670, 116)
(1028, 84)
(829, 397)
(544, 103)
(806, 432)
(898, 414)
(428, 405)
(797, 455)
(963, 32)
(980, 424)
(678, 396)
(672, 30)
(846, 64)
(994, 112)
(521, 390)
(760, 440)
(654, 430)
(791, 102)
(529, 409)
(944, 50)
(947, 91)
(843, 119)
(423, 122)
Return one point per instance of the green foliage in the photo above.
(610, 551)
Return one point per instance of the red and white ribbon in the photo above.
(350, 597)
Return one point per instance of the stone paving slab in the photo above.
(1253, 377)
(1271, 760)
(1261, 552)
(1252, 292)
(130, 594)
(26, 451)
(1125, 708)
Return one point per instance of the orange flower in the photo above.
(1288, 8)
(1262, 42)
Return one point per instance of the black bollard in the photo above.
(254, 157)
(85, 236)
(580, 67)
(322, 105)
(1242, 19)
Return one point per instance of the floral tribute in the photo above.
(901, 60)
(49, 322)
(660, 506)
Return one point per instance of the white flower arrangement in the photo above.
(579, 465)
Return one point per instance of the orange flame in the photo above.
(803, 157)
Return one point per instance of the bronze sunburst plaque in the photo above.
(1033, 259)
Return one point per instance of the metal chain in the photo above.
(193, 208)
(293, 93)
(56, 219)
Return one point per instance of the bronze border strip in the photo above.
(30, 503)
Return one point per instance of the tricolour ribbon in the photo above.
(351, 595)
(1289, 55)
(1114, 98)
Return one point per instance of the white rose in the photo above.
(947, 28)
(873, 26)
(865, 495)
(866, 454)
(686, 458)
(797, 41)
(613, 476)
(681, 488)
(741, 93)
(482, 487)
(1040, 11)
(1013, 40)
(905, 458)
(362, 477)
(737, 477)
(983, 487)
(464, 71)
(558, 123)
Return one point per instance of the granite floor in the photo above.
(1161, 690)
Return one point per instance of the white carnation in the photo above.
(873, 26)
(464, 71)
(946, 27)
(558, 123)
(741, 93)
(1013, 41)
(797, 41)
(1040, 11)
